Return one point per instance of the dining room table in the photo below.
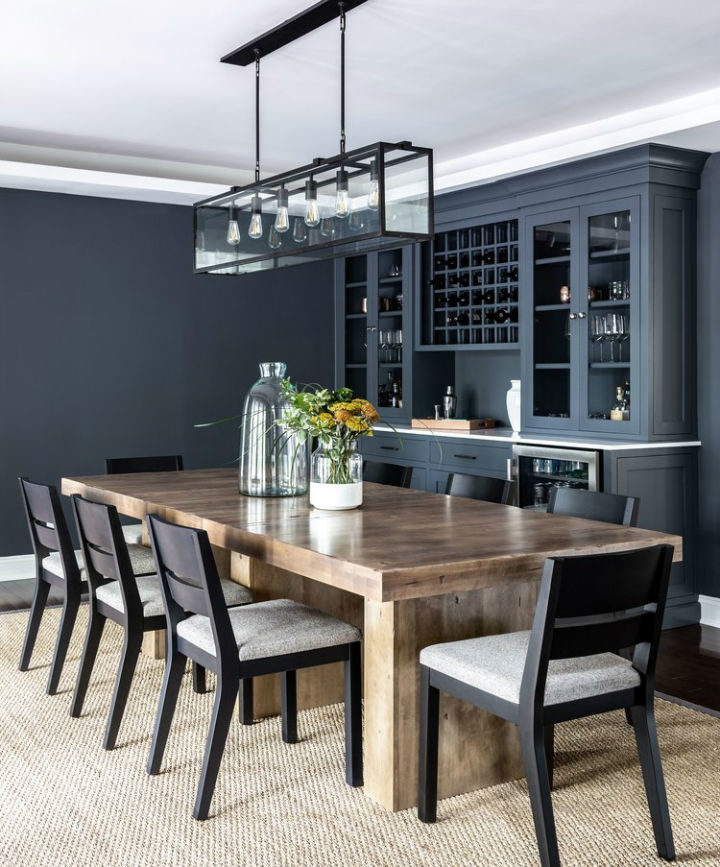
(410, 569)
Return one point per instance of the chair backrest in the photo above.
(190, 581)
(387, 474)
(105, 551)
(594, 505)
(154, 464)
(598, 603)
(48, 527)
(479, 488)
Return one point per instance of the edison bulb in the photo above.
(255, 229)
(282, 220)
(312, 210)
(233, 231)
(274, 240)
(299, 233)
(342, 204)
(374, 195)
(342, 199)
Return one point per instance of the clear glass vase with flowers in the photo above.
(336, 420)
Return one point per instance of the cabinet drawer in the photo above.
(396, 448)
(474, 458)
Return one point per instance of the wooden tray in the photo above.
(453, 423)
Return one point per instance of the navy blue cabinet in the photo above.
(374, 336)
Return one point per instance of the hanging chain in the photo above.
(257, 115)
(342, 77)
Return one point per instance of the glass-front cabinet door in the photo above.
(582, 335)
(375, 349)
(609, 332)
(551, 245)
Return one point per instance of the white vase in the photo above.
(512, 401)
(335, 497)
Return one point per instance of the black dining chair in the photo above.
(479, 488)
(387, 474)
(143, 464)
(58, 565)
(135, 603)
(594, 505)
(262, 638)
(565, 668)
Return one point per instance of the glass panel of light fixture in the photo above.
(407, 192)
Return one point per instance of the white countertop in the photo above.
(506, 435)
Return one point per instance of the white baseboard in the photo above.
(17, 567)
(710, 610)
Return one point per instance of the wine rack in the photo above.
(473, 289)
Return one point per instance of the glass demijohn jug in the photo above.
(273, 463)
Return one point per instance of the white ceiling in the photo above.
(134, 88)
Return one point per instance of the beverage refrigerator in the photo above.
(536, 469)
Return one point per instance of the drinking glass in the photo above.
(613, 331)
(624, 333)
(384, 344)
(597, 331)
(398, 342)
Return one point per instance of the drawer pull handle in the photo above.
(465, 457)
(390, 448)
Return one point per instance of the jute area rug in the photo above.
(66, 801)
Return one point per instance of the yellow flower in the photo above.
(343, 415)
(326, 418)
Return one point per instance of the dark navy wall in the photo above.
(482, 380)
(110, 346)
(708, 573)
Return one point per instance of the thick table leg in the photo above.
(476, 749)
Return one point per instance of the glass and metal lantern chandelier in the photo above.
(376, 196)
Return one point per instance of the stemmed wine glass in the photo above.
(614, 329)
(384, 338)
(597, 331)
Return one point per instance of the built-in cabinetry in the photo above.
(582, 297)
(374, 349)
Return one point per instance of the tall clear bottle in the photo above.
(273, 463)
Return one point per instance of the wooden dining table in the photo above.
(410, 569)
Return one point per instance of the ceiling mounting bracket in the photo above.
(299, 25)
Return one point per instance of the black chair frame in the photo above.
(594, 505)
(191, 585)
(487, 488)
(382, 473)
(579, 612)
(150, 464)
(107, 559)
(49, 533)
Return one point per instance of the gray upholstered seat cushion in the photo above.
(495, 663)
(132, 533)
(141, 559)
(151, 594)
(272, 628)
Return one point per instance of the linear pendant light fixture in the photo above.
(377, 196)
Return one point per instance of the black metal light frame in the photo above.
(369, 163)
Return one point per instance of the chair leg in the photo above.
(628, 716)
(428, 762)
(67, 622)
(549, 740)
(643, 718)
(128, 661)
(225, 693)
(532, 741)
(96, 624)
(42, 589)
(289, 706)
(174, 671)
(353, 718)
(245, 708)
(198, 678)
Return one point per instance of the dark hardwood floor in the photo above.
(688, 666)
